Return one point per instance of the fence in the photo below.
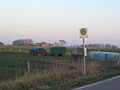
(37, 65)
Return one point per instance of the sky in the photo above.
(54, 20)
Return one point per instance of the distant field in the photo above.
(17, 48)
(26, 49)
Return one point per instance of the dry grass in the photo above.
(93, 68)
(118, 62)
(56, 76)
(41, 80)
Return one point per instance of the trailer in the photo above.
(58, 51)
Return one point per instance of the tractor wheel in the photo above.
(42, 53)
(32, 53)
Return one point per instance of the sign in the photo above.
(83, 31)
(83, 35)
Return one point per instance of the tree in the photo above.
(23, 42)
(57, 44)
(62, 42)
(1, 43)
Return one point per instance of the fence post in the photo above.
(28, 67)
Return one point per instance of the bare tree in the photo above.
(56, 44)
(63, 43)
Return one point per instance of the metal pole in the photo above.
(84, 60)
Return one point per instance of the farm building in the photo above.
(43, 44)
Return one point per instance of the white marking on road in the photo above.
(97, 83)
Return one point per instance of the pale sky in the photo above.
(43, 20)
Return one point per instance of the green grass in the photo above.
(10, 65)
(15, 64)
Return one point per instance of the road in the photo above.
(108, 84)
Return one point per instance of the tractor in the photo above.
(38, 51)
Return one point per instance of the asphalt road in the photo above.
(108, 84)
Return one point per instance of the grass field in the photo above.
(9, 65)
(15, 64)
(44, 71)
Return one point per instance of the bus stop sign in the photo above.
(83, 31)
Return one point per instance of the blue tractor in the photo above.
(38, 51)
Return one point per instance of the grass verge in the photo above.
(84, 81)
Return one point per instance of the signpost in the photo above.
(83, 35)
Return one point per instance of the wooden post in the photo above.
(28, 67)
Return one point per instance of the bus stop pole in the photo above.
(84, 60)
